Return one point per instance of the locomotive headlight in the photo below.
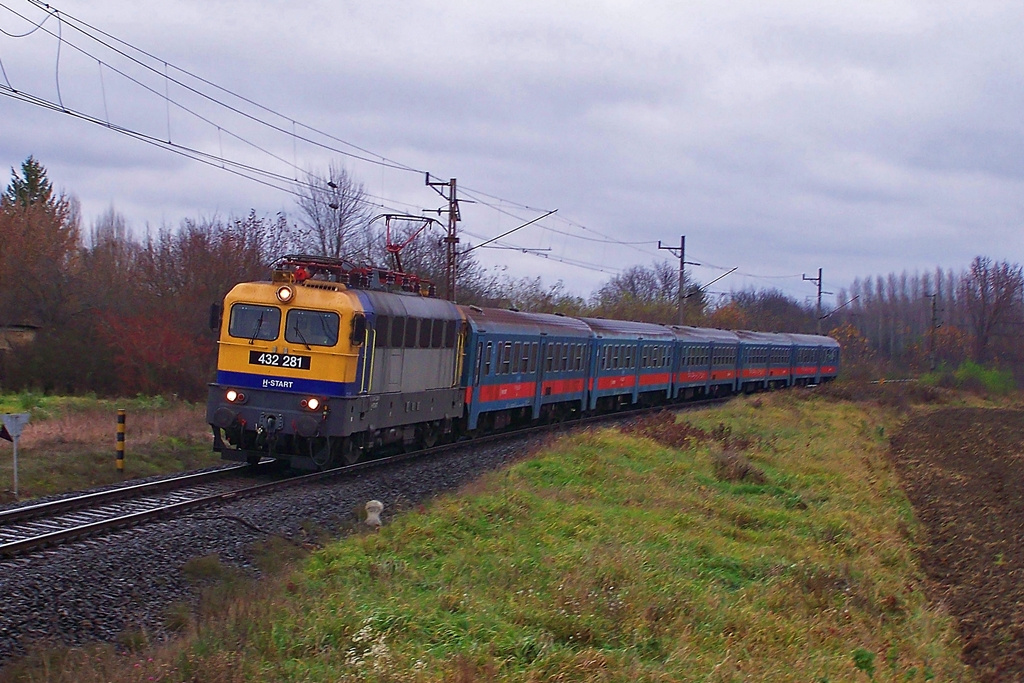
(234, 396)
(311, 403)
(285, 294)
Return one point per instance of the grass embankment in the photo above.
(769, 541)
(69, 444)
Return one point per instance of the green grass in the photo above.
(973, 377)
(609, 557)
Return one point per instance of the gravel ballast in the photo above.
(101, 588)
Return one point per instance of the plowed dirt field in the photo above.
(963, 471)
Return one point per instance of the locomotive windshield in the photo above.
(253, 322)
(312, 328)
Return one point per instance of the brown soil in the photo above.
(963, 470)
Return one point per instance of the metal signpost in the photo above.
(13, 423)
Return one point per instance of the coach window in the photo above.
(397, 337)
(437, 335)
(533, 357)
(252, 322)
(487, 358)
(525, 364)
(426, 325)
(311, 328)
(517, 358)
(506, 358)
(381, 328)
(412, 330)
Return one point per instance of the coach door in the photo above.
(538, 398)
(389, 354)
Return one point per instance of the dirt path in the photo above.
(963, 470)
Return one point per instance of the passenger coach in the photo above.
(523, 366)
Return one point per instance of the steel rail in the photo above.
(26, 512)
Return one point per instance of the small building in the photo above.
(13, 336)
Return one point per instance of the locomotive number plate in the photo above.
(279, 360)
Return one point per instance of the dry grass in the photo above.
(96, 428)
(72, 446)
(734, 466)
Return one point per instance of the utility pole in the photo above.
(451, 240)
(817, 314)
(931, 332)
(682, 276)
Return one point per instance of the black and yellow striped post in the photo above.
(120, 440)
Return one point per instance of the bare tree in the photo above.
(991, 295)
(770, 310)
(335, 216)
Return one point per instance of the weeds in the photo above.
(733, 466)
(666, 430)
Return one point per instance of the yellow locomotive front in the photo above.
(289, 351)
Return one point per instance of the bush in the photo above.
(972, 377)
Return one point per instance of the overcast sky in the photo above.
(861, 138)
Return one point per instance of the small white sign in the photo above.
(14, 422)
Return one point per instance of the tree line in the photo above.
(119, 313)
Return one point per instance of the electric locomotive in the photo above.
(328, 360)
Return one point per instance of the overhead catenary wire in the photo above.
(290, 128)
(373, 158)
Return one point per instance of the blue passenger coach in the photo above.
(523, 366)
(632, 363)
(764, 360)
(815, 358)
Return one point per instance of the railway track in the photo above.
(33, 527)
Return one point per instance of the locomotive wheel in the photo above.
(350, 452)
(320, 452)
(429, 434)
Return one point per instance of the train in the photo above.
(327, 364)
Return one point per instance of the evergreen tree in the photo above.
(31, 187)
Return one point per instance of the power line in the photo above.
(72, 21)
(252, 172)
(78, 24)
